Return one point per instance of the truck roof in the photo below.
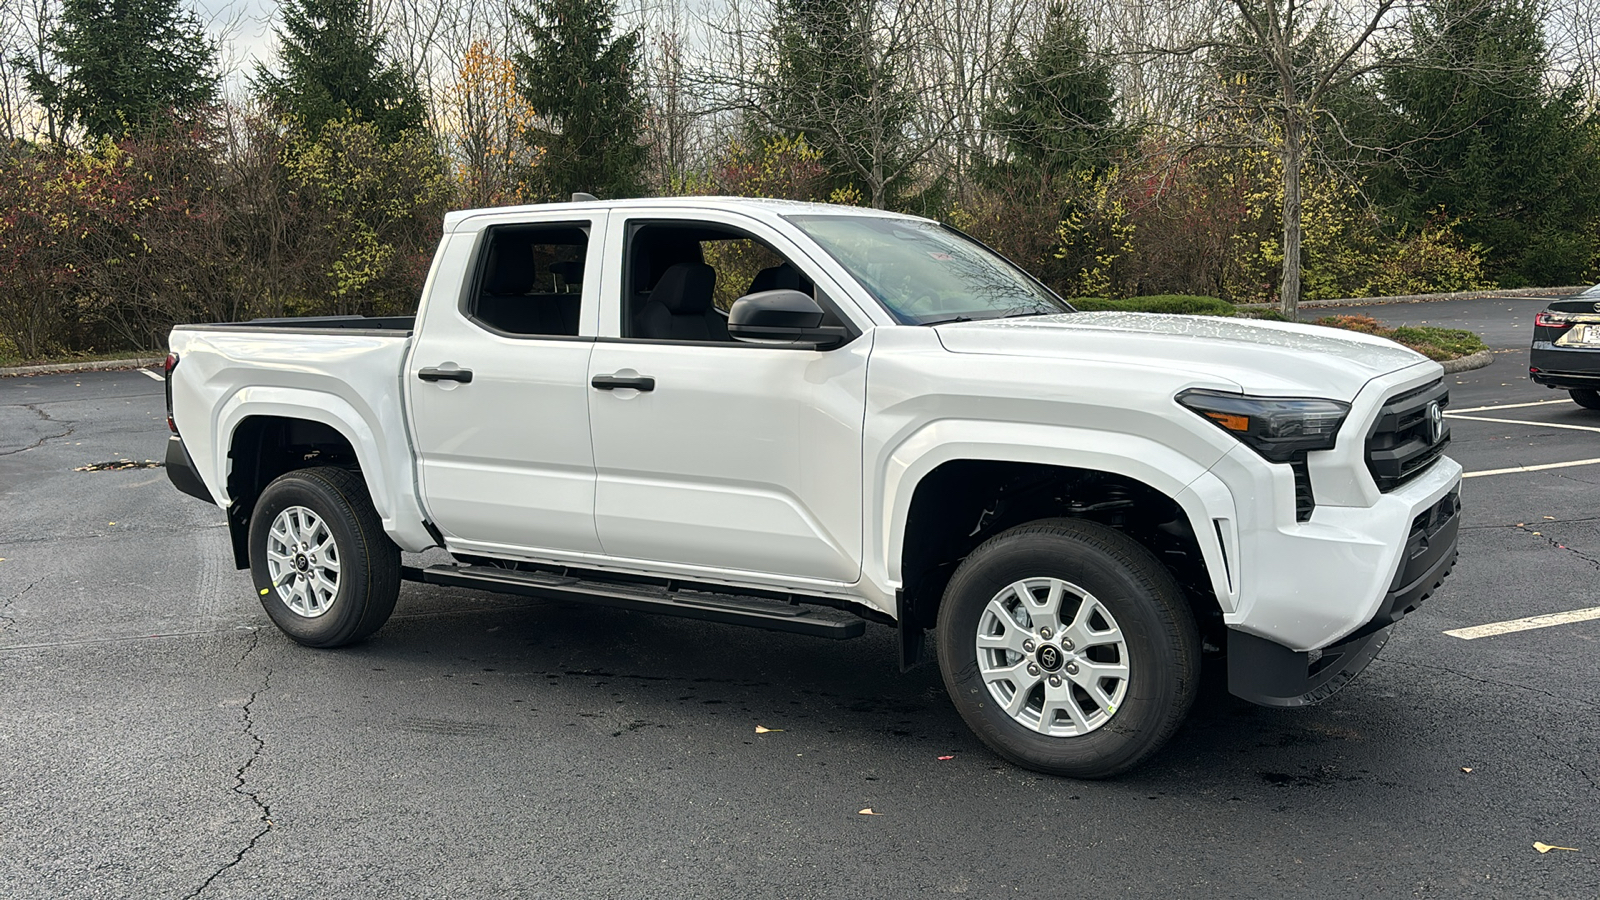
(748, 205)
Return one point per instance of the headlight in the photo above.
(1275, 427)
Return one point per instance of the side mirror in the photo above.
(783, 317)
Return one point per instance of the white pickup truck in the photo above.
(806, 418)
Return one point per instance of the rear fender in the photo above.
(385, 459)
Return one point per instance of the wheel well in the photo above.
(963, 503)
(265, 447)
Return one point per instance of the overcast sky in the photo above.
(242, 27)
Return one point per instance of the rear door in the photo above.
(727, 457)
(499, 393)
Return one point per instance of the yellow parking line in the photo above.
(1515, 469)
(1528, 624)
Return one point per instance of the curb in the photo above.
(1468, 363)
(106, 365)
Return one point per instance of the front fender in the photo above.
(1202, 496)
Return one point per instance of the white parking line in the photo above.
(1509, 406)
(1462, 418)
(1528, 624)
(156, 375)
(1515, 469)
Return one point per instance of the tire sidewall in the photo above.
(1156, 678)
(343, 617)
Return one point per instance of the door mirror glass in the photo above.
(782, 317)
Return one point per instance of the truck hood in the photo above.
(1270, 358)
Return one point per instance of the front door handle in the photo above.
(612, 382)
(430, 374)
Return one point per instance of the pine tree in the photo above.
(1057, 109)
(334, 67)
(583, 83)
(127, 66)
(840, 86)
(1486, 142)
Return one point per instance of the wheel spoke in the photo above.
(1055, 699)
(1044, 614)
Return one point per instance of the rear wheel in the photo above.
(1586, 398)
(1068, 648)
(326, 573)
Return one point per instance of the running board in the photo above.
(730, 609)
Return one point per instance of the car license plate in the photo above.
(1581, 336)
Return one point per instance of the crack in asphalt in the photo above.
(1571, 765)
(240, 781)
(1557, 545)
(1496, 683)
(72, 426)
(1525, 524)
(7, 623)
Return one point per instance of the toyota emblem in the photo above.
(1597, 307)
(1435, 423)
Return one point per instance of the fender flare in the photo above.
(392, 495)
(1201, 495)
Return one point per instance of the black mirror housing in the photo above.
(783, 317)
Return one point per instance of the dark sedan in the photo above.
(1566, 347)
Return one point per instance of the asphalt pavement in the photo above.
(160, 739)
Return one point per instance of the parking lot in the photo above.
(159, 738)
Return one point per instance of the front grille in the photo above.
(1401, 445)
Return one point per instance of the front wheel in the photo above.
(326, 572)
(1068, 649)
(1585, 398)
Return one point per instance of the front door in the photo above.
(712, 454)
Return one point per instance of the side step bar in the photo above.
(730, 609)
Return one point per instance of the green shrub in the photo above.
(1177, 304)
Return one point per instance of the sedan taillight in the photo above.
(1549, 319)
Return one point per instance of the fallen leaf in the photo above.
(762, 729)
(1542, 847)
(111, 523)
(947, 757)
(868, 812)
(1537, 534)
(1466, 769)
(1551, 518)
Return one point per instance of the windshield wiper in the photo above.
(947, 320)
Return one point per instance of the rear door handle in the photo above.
(430, 374)
(612, 382)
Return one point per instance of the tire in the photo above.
(1125, 611)
(308, 605)
(1587, 399)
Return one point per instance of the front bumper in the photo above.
(1266, 672)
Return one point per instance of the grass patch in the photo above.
(1438, 344)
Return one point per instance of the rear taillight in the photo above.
(172, 363)
(1548, 319)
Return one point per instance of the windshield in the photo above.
(926, 273)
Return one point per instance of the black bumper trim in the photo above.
(181, 470)
(1270, 674)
